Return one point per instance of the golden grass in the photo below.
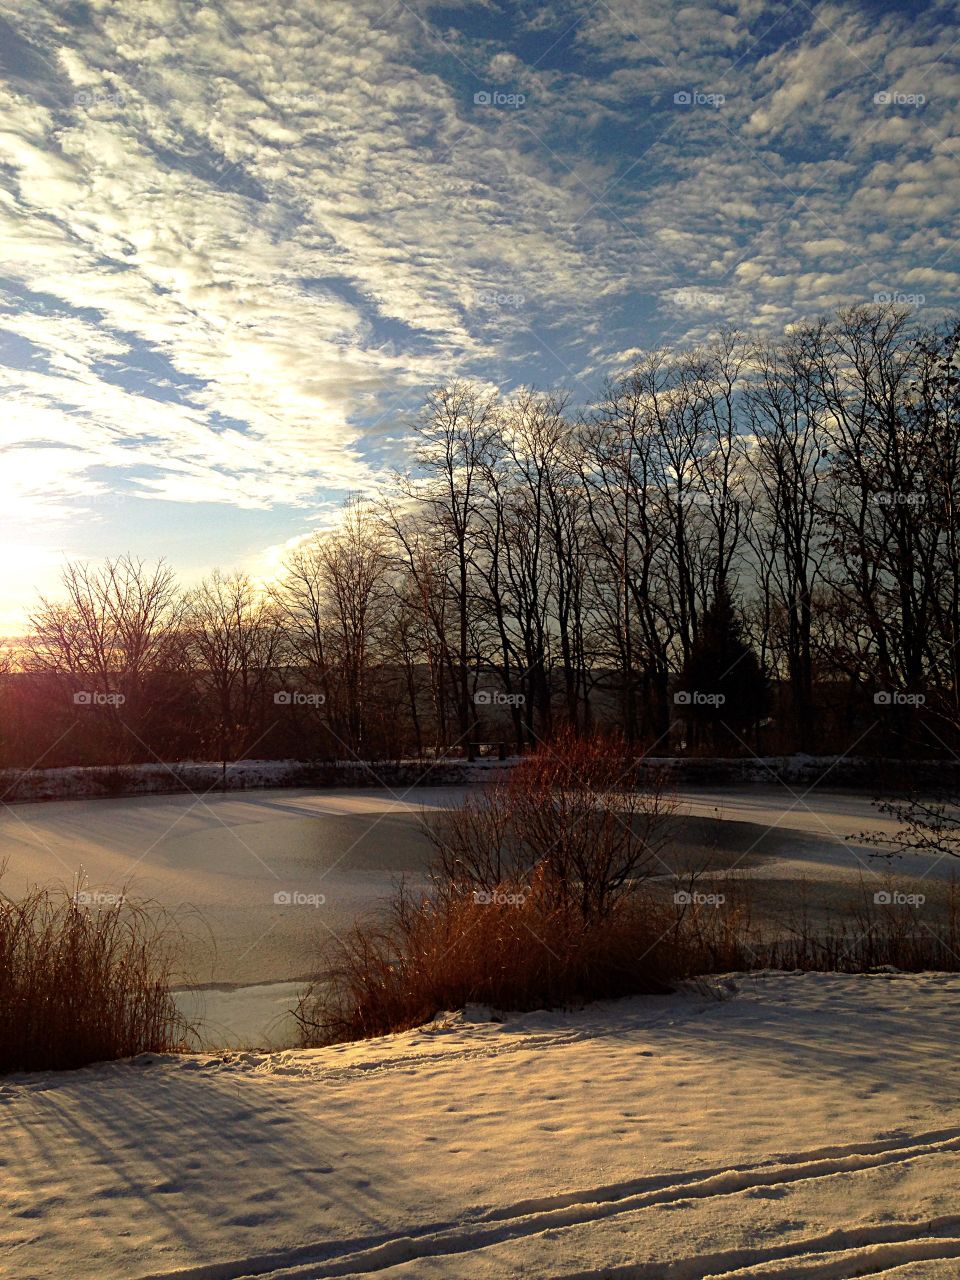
(82, 984)
(514, 947)
(443, 950)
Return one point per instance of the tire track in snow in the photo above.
(529, 1218)
(838, 1255)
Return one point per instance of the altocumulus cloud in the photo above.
(242, 240)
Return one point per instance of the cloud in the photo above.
(242, 240)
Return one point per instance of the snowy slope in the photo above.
(804, 1126)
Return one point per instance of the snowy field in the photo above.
(802, 1126)
(217, 863)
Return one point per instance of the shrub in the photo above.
(578, 815)
(81, 984)
(545, 894)
(513, 946)
(538, 899)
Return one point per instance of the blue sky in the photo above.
(241, 240)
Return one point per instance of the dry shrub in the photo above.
(512, 947)
(538, 900)
(579, 814)
(548, 891)
(516, 948)
(81, 984)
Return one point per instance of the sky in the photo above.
(240, 241)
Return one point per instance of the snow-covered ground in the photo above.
(803, 1126)
(217, 861)
(205, 777)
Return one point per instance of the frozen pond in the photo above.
(257, 879)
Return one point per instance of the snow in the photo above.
(202, 777)
(815, 833)
(800, 1126)
(217, 862)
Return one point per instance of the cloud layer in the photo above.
(242, 239)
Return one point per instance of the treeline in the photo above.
(751, 546)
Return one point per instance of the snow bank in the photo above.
(200, 777)
(802, 1125)
(84, 782)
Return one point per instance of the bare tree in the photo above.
(111, 641)
(454, 437)
(330, 595)
(619, 469)
(813, 480)
(787, 419)
(235, 639)
(353, 564)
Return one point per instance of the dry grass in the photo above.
(82, 984)
(865, 935)
(520, 949)
(548, 891)
(443, 950)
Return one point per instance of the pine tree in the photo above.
(722, 683)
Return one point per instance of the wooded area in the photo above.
(751, 546)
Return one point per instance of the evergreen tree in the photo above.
(722, 682)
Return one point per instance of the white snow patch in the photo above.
(807, 1125)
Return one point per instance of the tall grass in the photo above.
(548, 890)
(864, 936)
(513, 947)
(518, 948)
(82, 984)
